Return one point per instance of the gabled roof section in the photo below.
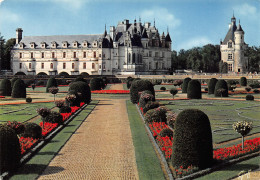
(230, 34)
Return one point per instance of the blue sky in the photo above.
(191, 22)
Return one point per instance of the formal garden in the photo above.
(182, 128)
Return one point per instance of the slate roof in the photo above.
(58, 39)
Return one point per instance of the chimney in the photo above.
(112, 32)
(19, 35)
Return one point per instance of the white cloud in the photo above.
(162, 16)
(245, 10)
(1, 1)
(195, 42)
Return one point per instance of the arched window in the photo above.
(72, 65)
(84, 54)
(95, 54)
(84, 65)
(31, 55)
(64, 54)
(53, 55)
(42, 54)
(64, 65)
(30, 65)
(42, 65)
(133, 58)
(51, 65)
(74, 54)
(93, 65)
(20, 65)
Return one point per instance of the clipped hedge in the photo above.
(166, 132)
(54, 117)
(129, 82)
(5, 87)
(243, 81)
(211, 86)
(156, 115)
(13, 81)
(221, 85)
(145, 97)
(194, 90)
(19, 89)
(65, 109)
(185, 84)
(192, 140)
(139, 86)
(150, 105)
(83, 90)
(32, 130)
(10, 151)
(96, 84)
(51, 83)
(250, 97)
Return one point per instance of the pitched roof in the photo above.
(168, 38)
(230, 34)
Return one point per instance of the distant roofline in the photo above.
(68, 35)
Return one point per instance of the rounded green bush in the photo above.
(54, 117)
(194, 90)
(173, 91)
(156, 115)
(77, 100)
(250, 97)
(83, 90)
(166, 132)
(243, 81)
(192, 140)
(96, 84)
(221, 85)
(51, 83)
(32, 130)
(211, 86)
(185, 84)
(145, 97)
(139, 86)
(150, 105)
(13, 81)
(10, 151)
(5, 87)
(65, 109)
(129, 82)
(19, 89)
(163, 88)
(28, 99)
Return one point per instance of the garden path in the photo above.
(102, 148)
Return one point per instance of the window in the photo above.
(230, 45)
(84, 54)
(20, 65)
(31, 55)
(21, 55)
(64, 65)
(53, 54)
(64, 54)
(51, 65)
(42, 45)
(162, 54)
(31, 46)
(72, 65)
(93, 65)
(42, 65)
(230, 67)
(30, 65)
(133, 58)
(84, 44)
(150, 53)
(230, 56)
(129, 58)
(100, 55)
(74, 54)
(95, 54)
(42, 54)
(104, 55)
(84, 65)
(156, 54)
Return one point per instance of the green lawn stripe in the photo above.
(33, 168)
(148, 164)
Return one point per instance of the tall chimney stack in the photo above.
(19, 35)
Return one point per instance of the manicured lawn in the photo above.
(34, 167)
(168, 87)
(233, 170)
(222, 114)
(21, 112)
(148, 164)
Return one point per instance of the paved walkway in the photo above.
(101, 148)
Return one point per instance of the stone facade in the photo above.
(233, 47)
(127, 49)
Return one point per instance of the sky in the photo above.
(191, 23)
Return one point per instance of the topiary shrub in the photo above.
(250, 97)
(65, 109)
(163, 88)
(192, 140)
(51, 83)
(211, 86)
(156, 115)
(254, 85)
(10, 151)
(150, 105)
(221, 89)
(80, 79)
(173, 92)
(5, 87)
(248, 89)
(185, 84)
(256, 91)
(19, 89)
(54, 117)
(32, 130)
(139, 86)
(145, 97)
(18, 127)
(129, 82)
(13, 81)
(166, 132)
(96, 84)
(82, 89)
(171, 118)
(72, 98)
(243, 81)
(28, 99)
(194, 90)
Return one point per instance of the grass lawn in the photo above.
(34, 167)
(43, 89)
(233, 170)
(23, 112)
(222, 114)
(147, 161)
(168, 87)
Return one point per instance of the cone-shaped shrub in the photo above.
(5, 87)
(32, 130)
(129, 82)
(211, 86)
(51, 83)
(19, 89)
(139, 86)
(194, 90)
(10, 151)
(243, 81)
(250, 97)
(96, 84)
(83, 90)
(221, 89)
(185, 84)
(13, 81)
(192, 140)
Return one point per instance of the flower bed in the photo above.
(2, 96)
(26, 143)
(110, 92)
(240, 92)
(48, 127)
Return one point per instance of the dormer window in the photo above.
(32, 44)
(43, 44)
(229, 44)
(53, 44)
(85, 43)
(75, 44)
(64, 44)
(21, 45)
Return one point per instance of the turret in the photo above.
(239, 35)
(163, 40)
(144, 39)
(19, 35)
(168, 41)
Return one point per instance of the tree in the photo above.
(243, 128)
(253, 54)
(2, 42)
(7, 53)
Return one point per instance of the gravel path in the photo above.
(101, 148)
